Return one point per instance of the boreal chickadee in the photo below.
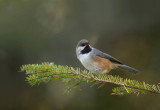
(98, 62)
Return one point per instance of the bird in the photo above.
(97, 61)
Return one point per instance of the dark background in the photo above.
(35, 31)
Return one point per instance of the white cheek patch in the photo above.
(79, 49)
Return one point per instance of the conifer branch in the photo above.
(73, 77)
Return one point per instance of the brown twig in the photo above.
(96, 80)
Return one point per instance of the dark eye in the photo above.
(83, 45)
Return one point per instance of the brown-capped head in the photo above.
(83, 43)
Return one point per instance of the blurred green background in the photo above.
(35, 31)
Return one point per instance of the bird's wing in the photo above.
(104, 55)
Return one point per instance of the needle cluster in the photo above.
(73, 77)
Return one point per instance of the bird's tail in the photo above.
(128, 69)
